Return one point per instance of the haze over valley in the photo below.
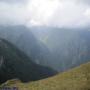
(43, 38)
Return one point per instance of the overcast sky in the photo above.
(60, 13)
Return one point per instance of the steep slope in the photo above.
(75, 79)
(70, 47)
(15, 64)
(58, 48)
(23, 38)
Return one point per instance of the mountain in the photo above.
(23, 38)
(58, 48)
(75, 79)
(70, 47)
(16, 64)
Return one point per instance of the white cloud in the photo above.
(42, 10)
(14, 1)
(12, 14)
(71, 14)
(46, 12)
(87, 13)
(61, 13)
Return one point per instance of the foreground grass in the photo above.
(75, 79)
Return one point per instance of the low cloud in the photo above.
(60, 13)
(84, 1)
(13, 1)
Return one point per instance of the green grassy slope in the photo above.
(75, 79)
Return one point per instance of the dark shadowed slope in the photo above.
(15, 64)
(23, 38)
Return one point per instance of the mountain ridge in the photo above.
(15, 64)
(58, 48)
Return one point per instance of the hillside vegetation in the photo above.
(15, 64)
(75, 79)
